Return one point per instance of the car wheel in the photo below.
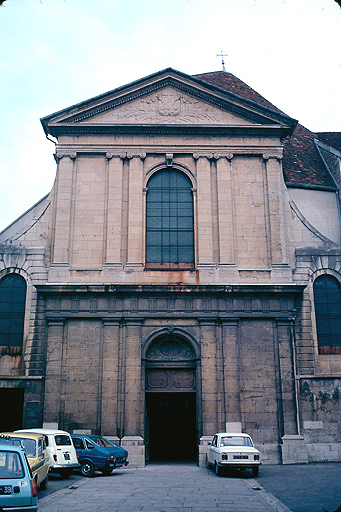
(255, 471)
(107, 471)
(44, 483)
(65, 473)
(217, 469)
(87, 468)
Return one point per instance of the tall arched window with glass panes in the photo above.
(169, 221)
(12, 313)
(327, 299)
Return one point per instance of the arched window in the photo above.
(169, 221)
(327, 297)
(12, 313)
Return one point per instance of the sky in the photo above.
(55, 53)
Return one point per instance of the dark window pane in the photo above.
(12, 309)
(327, 299)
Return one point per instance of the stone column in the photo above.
(134, 402)
(62, 212)
(275, 189)
(231, 374)
(226, 212)
(135, 207)
(114, 209)
(208, 376)
(204, 210)
(110, 376)
(54, 413)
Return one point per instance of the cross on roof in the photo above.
(222, 55)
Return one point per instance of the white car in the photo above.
(60, 448)
(232, 450)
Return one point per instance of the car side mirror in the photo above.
(209, 444)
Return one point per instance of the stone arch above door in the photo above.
(170, 344)
(170, 363)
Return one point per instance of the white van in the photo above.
(62, 453)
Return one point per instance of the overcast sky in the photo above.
(55, 53)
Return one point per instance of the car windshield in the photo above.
(62, 440)
(10, 465)
(30, 446)
(235, 441)
(102, 442)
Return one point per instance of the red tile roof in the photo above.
(302, 164)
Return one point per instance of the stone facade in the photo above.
(106, 336)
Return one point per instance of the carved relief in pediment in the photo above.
(168, 106)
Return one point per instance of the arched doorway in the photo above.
(170, 385)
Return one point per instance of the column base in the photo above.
(294, 450)
(136, 451)
(204, 442)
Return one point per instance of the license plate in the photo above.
(6, 489)
(66, 456)
(240, 456)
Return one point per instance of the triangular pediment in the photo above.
(165, 98)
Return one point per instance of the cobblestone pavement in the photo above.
(163, 488)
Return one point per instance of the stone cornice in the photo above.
(168, 129)
(55, 288)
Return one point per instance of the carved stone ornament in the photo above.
(213, 156)
(170, 348)
(170, 379)
(168, 106)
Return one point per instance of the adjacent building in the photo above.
(181, 278)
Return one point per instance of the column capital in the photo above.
(61, 154)
(268, 155)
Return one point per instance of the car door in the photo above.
(216, 449)
(78, 443)
(211, 450)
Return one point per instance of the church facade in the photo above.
(181, 278)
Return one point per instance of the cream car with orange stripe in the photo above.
(35, 449)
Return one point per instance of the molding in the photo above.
(169, 129)
(133, 289)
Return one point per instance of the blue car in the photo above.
(18, 489)
(97, 453)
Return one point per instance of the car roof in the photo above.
(86, 435)
(239, 434)
(8, 444)
(26, 435)
(46, 431)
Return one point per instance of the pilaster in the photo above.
(226, 212)
(134, 402)
(288, 398)
(204, 210)
(277, 226)
(63, 207)
(110, 377)
(208, 375)
(231, 370)
(54, 372)
(114, 209)
(135, 208)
